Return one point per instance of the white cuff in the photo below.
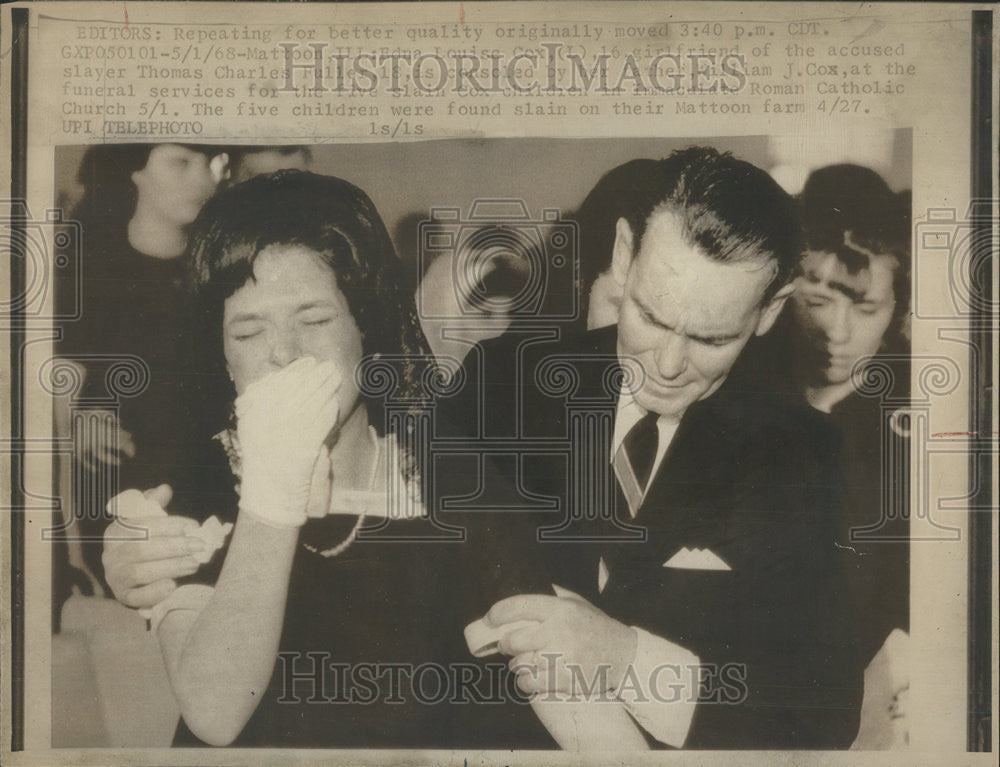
(588, 724)
(660, 688)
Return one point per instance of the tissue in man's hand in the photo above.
(483, 640)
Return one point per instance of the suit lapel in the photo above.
(681, 507)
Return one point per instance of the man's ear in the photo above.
(622, 252)
(773, 309)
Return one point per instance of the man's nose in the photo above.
(285, 348)
(671, 356)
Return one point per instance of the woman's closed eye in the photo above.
(317, 319)
(245, 332)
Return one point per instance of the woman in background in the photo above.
(135, 307)
(845, 332)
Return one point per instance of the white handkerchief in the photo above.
(696, 559)
(213, 534)
(133, 504)
(483, 640)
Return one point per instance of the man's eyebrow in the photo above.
(715, 338)
(648, 312)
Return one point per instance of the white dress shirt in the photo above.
(661, 689)
(627, 415)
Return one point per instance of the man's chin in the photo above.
(663, 405)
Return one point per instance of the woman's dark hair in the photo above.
(109, 194)
(340, 223)
(840, 197)
(614, 196)
(851, 212)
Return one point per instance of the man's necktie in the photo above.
(634, 460)
(633, 464)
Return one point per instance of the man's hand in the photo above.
(100, 439)
(573, 644)
(142, 572)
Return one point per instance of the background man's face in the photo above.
(685, 317)
(175, 182)
(841, 316)
(267, 161)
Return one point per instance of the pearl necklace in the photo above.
(353, 534)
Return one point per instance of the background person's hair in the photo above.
(340, 223)
(614, 196)
(839, 197)
(242, 157)
(109, 194)
(733, 211)
(851, 212)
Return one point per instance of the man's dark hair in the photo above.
(340, 223)
(731, 210)
(614, 196)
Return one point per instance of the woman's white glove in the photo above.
(282, 421)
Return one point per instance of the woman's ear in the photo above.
(622, 252)
(773, 309)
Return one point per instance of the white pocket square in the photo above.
(696, 559)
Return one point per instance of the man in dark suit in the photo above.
(696, 512)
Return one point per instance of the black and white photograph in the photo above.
(625, 386)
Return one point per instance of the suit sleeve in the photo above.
(802, 680)
(496, 560)
(778, 665)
